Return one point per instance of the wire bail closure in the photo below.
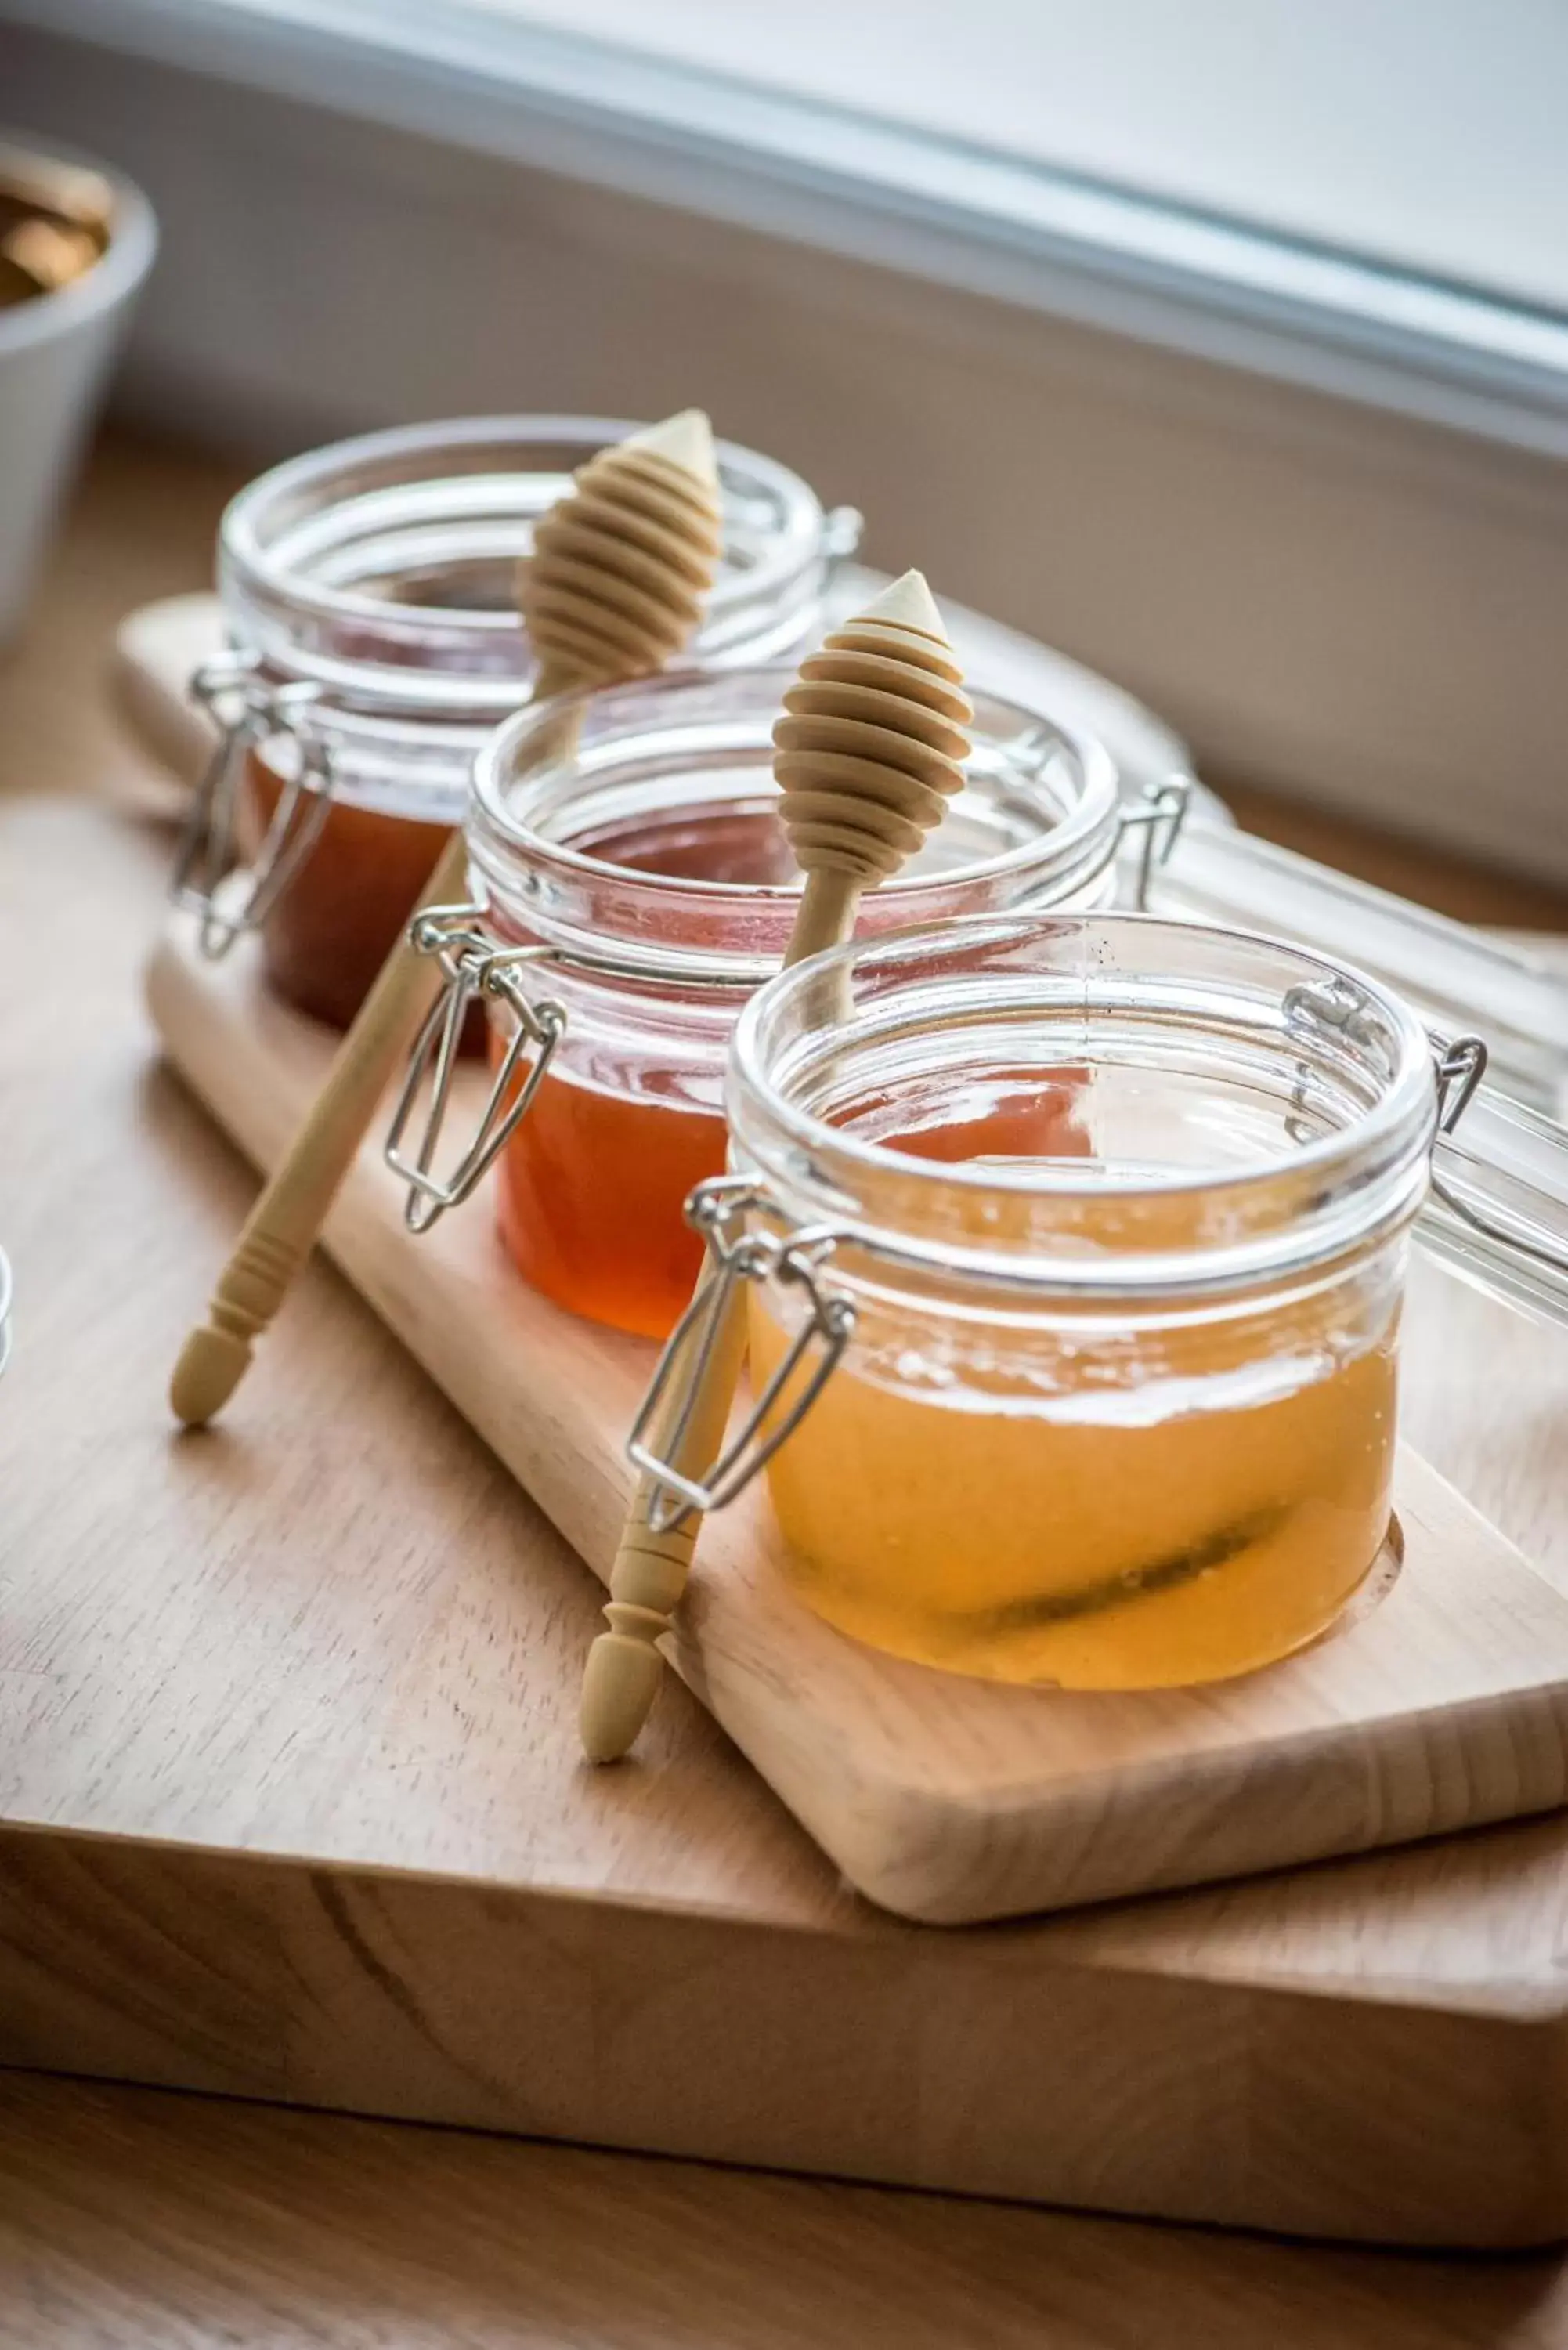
(247, 713)
(842, 530)
(1459, 1066)
(472, 967)
(1158, 816)
(717, 1210)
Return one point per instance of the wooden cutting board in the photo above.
(1443, 1705)
(290, 1808)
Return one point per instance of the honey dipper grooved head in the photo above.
(873, 739)
(622, 565)
(686, 440)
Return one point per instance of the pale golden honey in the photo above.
(1097, 1510)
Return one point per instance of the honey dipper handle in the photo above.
(615, 582)
(624, 1665)
(282, 1227)
(868, 752)
(826, 916)
(651, 1567)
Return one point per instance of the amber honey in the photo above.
(327, 935)
(592, 1189)
(592, 1186)
(650, 873)
(591, 1199)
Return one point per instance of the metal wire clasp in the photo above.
(472, 967)
(718, 1210)
(248, 712)
(1458, 1068)
(842, 531)
(1158, 815)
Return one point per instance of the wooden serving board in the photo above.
(944, 1800)
(290, 1808)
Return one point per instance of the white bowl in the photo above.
(55, 353)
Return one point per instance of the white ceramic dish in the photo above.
(55, 355)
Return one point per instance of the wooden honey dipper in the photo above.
(868, 754)
(615, 585)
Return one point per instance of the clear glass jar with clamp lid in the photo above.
(370, 594)
(629, 893)
(1075, 1250)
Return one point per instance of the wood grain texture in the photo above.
(622, 563)
(158, 649)
(291, 1809)
(142, 525)
(944, 1799)
(131, 2219)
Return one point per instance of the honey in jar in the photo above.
(325, 938)
(650, 873)
(1124, 1209)
(1076, 1543)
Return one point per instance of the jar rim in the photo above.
(687, 927)
(1097, 805)
(1372, 1167)
(257, 578)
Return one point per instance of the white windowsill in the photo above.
(480, 77)
(1326, 595)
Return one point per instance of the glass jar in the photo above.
(1077, 1248)
(370, 592)
(632, 886)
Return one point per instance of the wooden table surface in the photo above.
(141, 2217)
(134, 2219)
